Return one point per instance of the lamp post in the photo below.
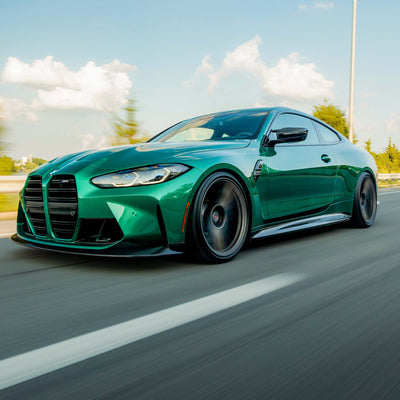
(353, 51)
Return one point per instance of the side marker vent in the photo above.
(257, 170)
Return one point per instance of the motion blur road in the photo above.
(331, 329)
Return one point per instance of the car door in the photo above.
(296, 178)
(333, 146)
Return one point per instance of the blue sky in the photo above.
(180, 59)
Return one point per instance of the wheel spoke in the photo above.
(367, 199)
(218, 239)
(225, 197)
(222, 213)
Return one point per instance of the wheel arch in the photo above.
(356, 218)
(373, 174)
(227, 169)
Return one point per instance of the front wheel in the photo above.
(219, 219)
(365, 202)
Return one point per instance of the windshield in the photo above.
(233, 125)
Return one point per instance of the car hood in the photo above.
(132, 156)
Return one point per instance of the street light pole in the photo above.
(353, 51)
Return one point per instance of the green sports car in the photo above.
(204, 186)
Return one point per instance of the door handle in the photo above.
(325, 158)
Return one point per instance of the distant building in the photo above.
(23, 160)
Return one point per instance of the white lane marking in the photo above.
(4, 235)
(393, 191)
(38, 362)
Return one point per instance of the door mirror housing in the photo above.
(285, 135)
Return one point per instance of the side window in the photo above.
(327, 136)
(296, 121)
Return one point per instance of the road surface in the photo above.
(314, 315)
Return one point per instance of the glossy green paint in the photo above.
(294, 182)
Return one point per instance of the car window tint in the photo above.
(296, 121)
(327, 135)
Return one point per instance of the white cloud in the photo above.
(89, 140)
(101, 88)
(325, 6)
(12, 108)
(289, 78)
(392, 124)
(118, 66)
(319, 5)
(245, 57)
(204, 68)
(31, 116)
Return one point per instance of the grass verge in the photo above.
(8, 202)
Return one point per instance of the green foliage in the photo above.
(333, 116)
(31, 165)
(2, 132)
(9, 202)
(7, 166)
(126, 131)
(368, 146)
(388, 161)
(38, 161)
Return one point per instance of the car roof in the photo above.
(256, 109)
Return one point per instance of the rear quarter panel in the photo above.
(351, 162)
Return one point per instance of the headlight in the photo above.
(140, 176)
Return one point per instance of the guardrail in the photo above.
(387, 177)
(14, 183)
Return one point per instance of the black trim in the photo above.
(114, 251)
(298, 215)
(162, 226)
(257, 170)
(179, 247)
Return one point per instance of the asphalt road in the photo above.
(331, 330)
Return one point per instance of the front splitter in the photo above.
(111, 252)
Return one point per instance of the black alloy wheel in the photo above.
(365, 202)
(219, 219)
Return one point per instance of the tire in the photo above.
(365, 202)
(219, 219)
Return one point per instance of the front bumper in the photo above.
(137, 221)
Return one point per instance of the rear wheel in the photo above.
(219, 219)
(365, 202)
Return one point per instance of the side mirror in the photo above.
(285, 135)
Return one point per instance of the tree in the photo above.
(333, 116)
(2, 131)
(38, 161)
(31, 165)
(7, 165)
(387, 161)
(368, 146)
(126, 131)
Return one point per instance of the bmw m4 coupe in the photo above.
(204, 186)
